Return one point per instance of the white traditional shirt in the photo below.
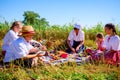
(8, 39)
(18, 49)
(112, 43)
(73, 37)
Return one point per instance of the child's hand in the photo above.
(44, 48)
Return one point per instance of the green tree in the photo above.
(32, 18)
(39, 24)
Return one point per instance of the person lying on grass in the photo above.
(20, 49)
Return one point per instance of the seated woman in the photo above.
(75, 40)
(112, 42)
(20, 49)
(95, 54)
(11, 35)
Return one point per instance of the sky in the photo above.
(60, 12)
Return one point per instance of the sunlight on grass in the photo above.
(55, 37)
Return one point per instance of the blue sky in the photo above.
(85, 12)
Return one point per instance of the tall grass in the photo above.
(57, 35)
(59, 32)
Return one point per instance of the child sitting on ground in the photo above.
(95, 54)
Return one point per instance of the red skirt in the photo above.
(94, 55)
(112, 58)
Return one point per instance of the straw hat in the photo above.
(27, 30)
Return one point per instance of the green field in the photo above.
(56, 38)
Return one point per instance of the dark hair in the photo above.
(76, 29)
(99, 35)
(111, 26)
(14, 24)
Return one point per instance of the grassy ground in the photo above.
(68, 71)
(56, 38)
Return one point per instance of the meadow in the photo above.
(55, 37)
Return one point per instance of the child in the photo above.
(11, 36)
(95, 54)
